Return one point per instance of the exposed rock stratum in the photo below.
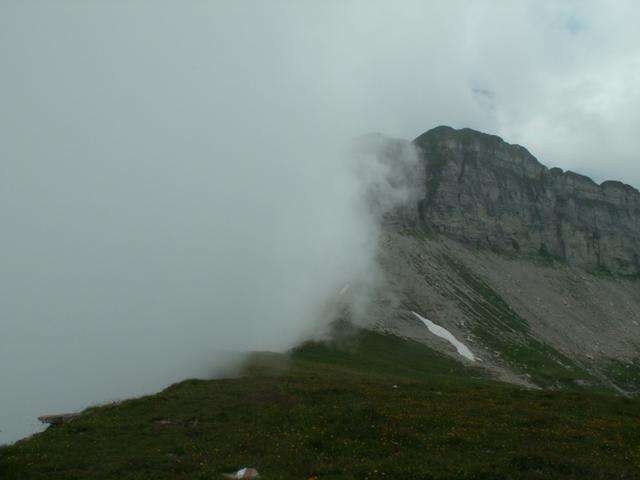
(480, 189)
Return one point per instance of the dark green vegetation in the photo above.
(625, 375)
(421, 232)
(371, 406)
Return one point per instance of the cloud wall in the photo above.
(176, 179)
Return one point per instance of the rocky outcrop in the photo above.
(482, 190)
(60, 419)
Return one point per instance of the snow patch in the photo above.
(448, 336)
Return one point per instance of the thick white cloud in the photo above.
(173, 178)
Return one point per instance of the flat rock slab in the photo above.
(58, 419)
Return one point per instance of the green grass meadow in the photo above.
(369, 406)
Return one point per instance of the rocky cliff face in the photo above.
(482, 190)
(525, 316)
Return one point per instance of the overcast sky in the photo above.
(560, 77)
(173, 178)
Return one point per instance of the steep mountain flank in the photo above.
(540, 323)
(482, 190)
(534, 269)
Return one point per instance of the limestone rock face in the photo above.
(482, 190)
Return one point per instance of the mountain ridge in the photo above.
(480, 189)
(497, 138)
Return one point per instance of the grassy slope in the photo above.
(333, 412)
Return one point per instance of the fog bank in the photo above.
(169, 204)
(177, 179)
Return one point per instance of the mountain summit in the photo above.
(535, 270)
(483, 190)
